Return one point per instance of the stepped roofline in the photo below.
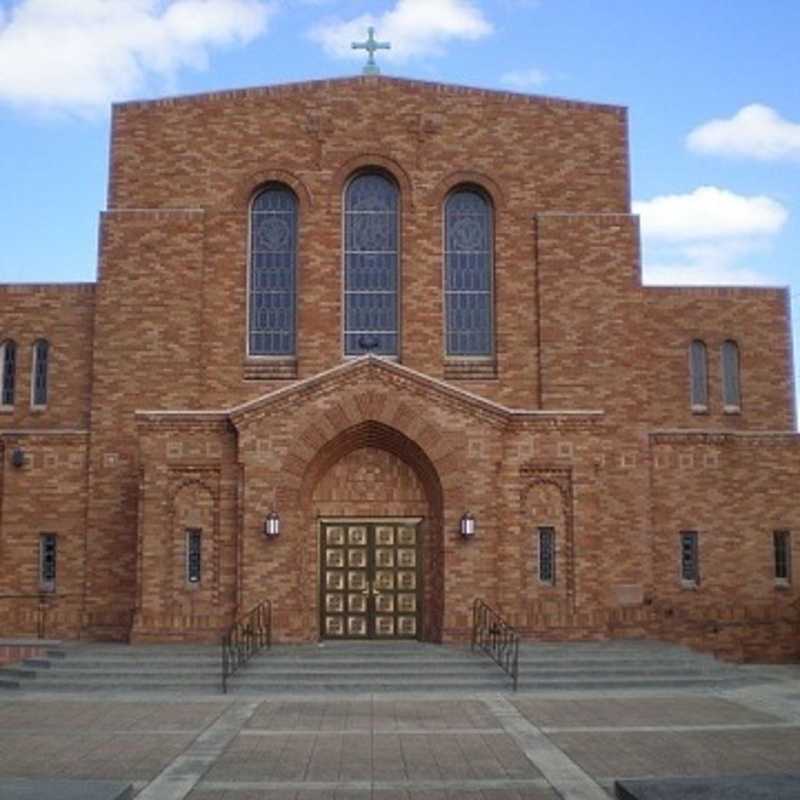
(367, 80)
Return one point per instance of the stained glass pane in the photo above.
(782, 544)
(47, 562)
(689, 557)
(9, 365)
(194, 540)
(699, 374)
(273, 256)
(468, 274)
(370, 280)
(41, 355)
(547, 555)
(731, 389)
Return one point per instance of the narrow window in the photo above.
(370, 266)
(194, 539)
(731, 388)
(41, 357)
(547, 555)
(698, 369)
(783, 556)
(47, 562)
(273, 257)
(468, 274)
(8, 362)
(689, 557)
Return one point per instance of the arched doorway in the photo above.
(374, 508)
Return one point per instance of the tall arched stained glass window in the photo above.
(370, 266)
(731, 385)
(273, 268)
(698, 373)
(8, 366)
(41, 364)
(468, 274)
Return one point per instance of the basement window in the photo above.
(48, 544)
(194, 541)
(547, 555)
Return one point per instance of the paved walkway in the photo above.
(411, 747)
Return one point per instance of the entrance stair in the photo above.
(355, 667)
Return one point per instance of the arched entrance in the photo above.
(373, 502)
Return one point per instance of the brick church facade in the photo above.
(377, 309)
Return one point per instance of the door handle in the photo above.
(371, 589)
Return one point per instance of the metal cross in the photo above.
(371, 68)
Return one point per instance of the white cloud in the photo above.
(524, 78)
(413, 27)
(708, 236)
(81, 54)
(705, 264)
(756, 131)
(709, 213)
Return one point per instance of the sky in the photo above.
(712, 88)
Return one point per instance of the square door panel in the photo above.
(384, 536)
(407, 537)
(335, 537)
(357, 557)
(384, 557)
(334, 557)
(406, 603)
(384, 625)
(384, 603)
(334, 602)
(357, 536)
(406, 580)
(406, 557)
(357, 580)
(334, 580)
(357, 603)
(384, 580)
(334, 626)
(406, 626)
(357, 626)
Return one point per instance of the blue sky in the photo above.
(712, 88)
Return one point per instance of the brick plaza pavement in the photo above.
(492, 746)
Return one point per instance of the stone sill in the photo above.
(470, 369)
(272, 369)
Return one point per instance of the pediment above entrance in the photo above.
(374, 372)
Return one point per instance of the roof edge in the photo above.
(303, 86)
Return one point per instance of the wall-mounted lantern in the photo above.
(272, 525)
(466, 526)
(18, 457)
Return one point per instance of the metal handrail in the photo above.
(46, 601)
(492, 634)
(246, 637)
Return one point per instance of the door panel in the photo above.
(369, 580)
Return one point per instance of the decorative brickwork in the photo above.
(159, 424)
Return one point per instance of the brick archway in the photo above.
(370, 436)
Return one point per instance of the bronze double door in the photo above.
(370, 580)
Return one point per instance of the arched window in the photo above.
(731, 384)
(370, 266)
(8, 364)
(698, 371)
(468, 274)
(41, 358)
(273, 272)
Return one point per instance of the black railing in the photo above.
(246, 637)
(492, 634)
